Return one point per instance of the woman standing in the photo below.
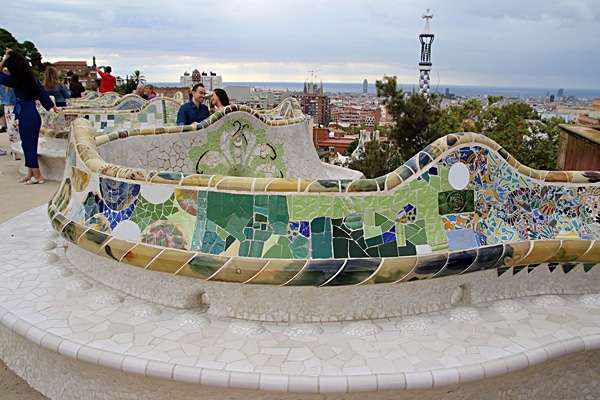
(55, 87)
(27, 90)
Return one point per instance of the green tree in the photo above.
(138, 77)
(517, 127)
(127, 86)
(352, 146)
(378, 159)
(27, 48)
(414, 115)
(33, 55)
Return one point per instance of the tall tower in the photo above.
(426, 39)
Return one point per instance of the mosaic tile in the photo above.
(460, 193)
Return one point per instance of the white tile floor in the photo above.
(52, 305)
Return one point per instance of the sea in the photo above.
(468, 91)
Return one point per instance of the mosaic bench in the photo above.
(221, 216)
(131, 111)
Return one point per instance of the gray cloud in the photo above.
(539, 43)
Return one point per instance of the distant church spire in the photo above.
(426, 39)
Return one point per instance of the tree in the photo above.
(378, 159)
(127, 86)
(27, 48)
(352, 146)
(414, 115)
(33, 55)
(138, 77)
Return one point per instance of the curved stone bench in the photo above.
(240, 207)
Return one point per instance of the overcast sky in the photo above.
(520, 43)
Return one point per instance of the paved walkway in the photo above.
(16, 198)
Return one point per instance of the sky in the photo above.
(509, 43)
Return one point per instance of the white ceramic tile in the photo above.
(215, 377)
(134, 365)
(89, 355)
(419, 380)
(244, 380)
(516, 362)
(111, 359)
(536, 356)
(362, 383)
(333, 384)
(68, 348)
(303, 384)
(554, 350)
(51, 342)
(186, 374)
(494, 368)
(158, 369)
(471, 373)
(445, 377)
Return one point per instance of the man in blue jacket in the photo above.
(194, 110)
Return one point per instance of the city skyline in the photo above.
(534, 44)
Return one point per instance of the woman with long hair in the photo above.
(27, 90)
(55, 87)
(218, 100)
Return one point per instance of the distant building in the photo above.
(315, 105)
(365, 86)
(426, 39)
(210, 81)
(560, 93)
(86, 77)
(186, 80)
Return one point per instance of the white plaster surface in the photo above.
(70, 336)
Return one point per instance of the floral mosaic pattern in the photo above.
(243, 151)
(417, 222)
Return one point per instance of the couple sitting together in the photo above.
(195, 110)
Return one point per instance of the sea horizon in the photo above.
(458, 90)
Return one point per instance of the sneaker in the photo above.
(2, 153)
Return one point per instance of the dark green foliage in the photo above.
(352, 146)
(518, 128)
(128, 86)
(27, 48)
(415, 116)
(378, 159)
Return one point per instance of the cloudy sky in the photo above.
(517, 43)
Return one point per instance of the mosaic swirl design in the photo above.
(460, 205)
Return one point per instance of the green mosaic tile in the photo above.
(435, 182)
(415, 232)
(277, 247)
(427, 202)
(384, 202)
(407, 250)
(369, 216)
(371, 231)
(400, 234)
(325, 206)
(278, 210)
(342, 206)
(304, 207)
(300, 247)
(147, 213)
(456, 201)
(567, 267)
(256, 248)
(588, 266)
(402, 197)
